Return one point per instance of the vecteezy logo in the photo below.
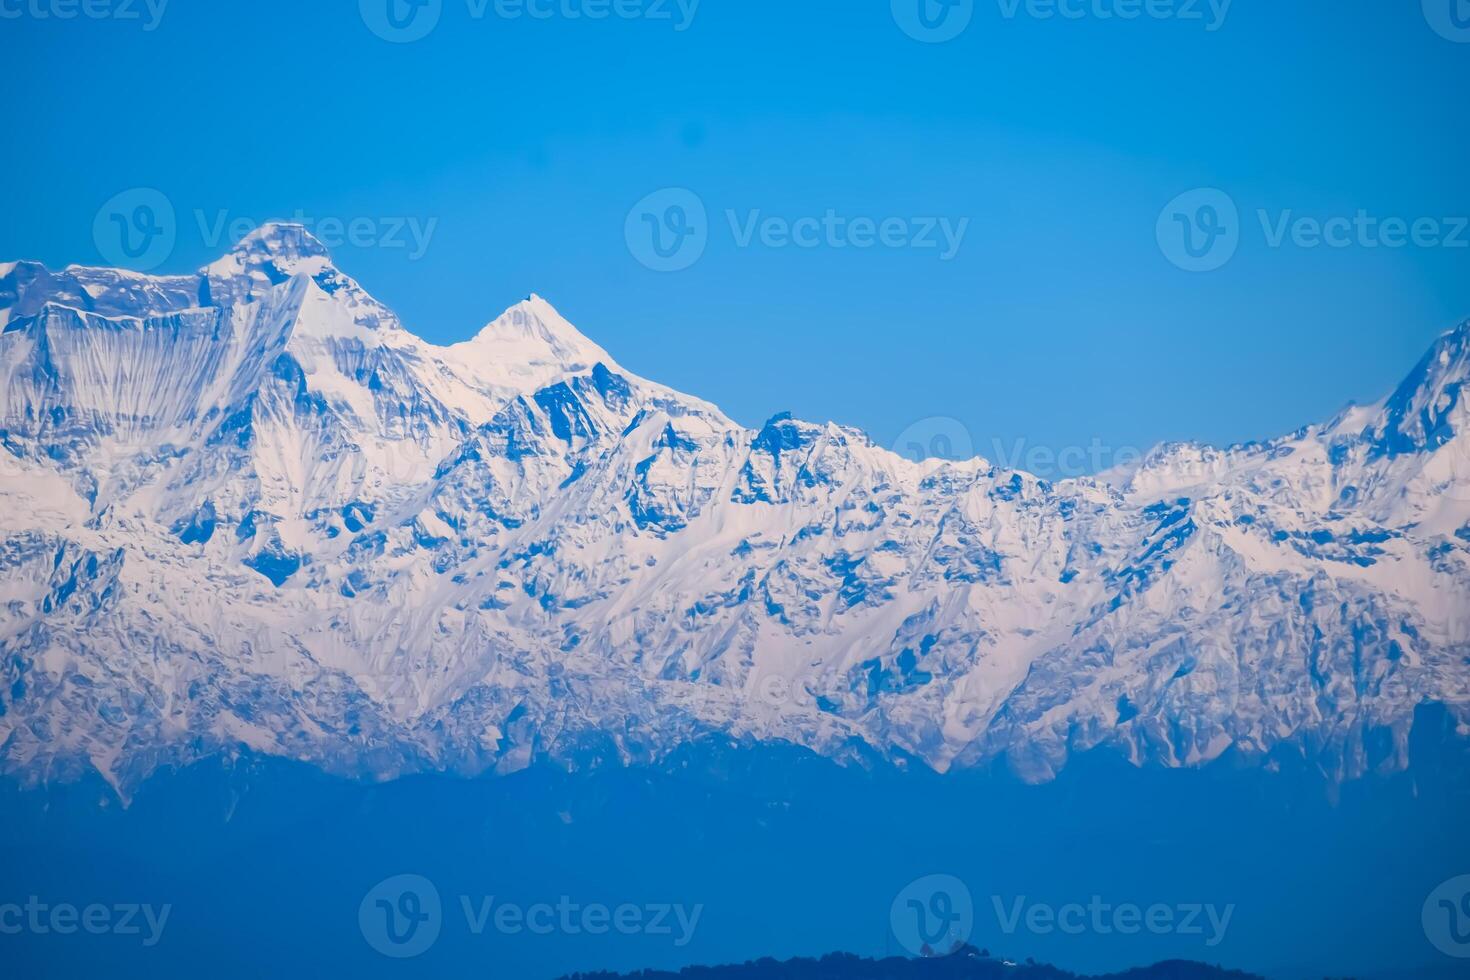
(932, 914)
(1446, 917)
(1199, 230)
(136, 229)
(1449, 18)
(400, 917)
(933, 21)
(938, 437)
(401, 21)
(668, 230)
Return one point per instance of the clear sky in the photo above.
(1054, 143)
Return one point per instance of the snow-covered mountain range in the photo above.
(248, 508)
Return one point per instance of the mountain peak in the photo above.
(1427, 409)
(532, 332)
(283, 240)
(274, 252)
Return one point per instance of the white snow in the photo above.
(488, 549)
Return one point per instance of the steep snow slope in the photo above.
(249, 508)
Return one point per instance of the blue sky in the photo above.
(1055, 142)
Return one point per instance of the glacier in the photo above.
(247, 510)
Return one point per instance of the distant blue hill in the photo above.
(965, 964)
